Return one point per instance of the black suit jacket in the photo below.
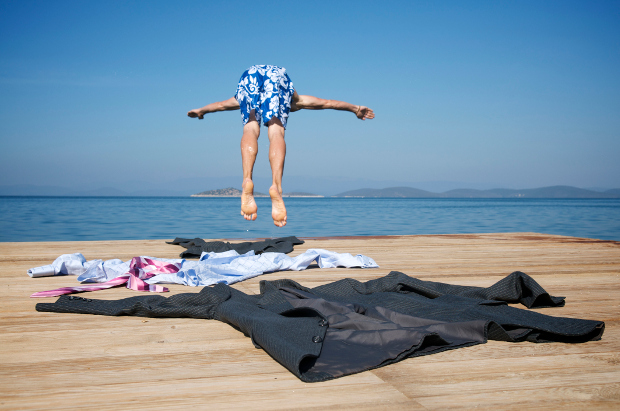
(347, 326)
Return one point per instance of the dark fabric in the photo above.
(196, 246)
(359, 338)
(348, 326)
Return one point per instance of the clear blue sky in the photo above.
(518, 94)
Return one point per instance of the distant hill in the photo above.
(225, 192)
(615, 192)
(544, 192)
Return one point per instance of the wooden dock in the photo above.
(65, 361)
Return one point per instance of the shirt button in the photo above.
(323, 323)
(317, 339)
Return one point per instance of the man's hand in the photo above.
(196, 113)
(364, 113)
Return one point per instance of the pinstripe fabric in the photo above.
(296, 337)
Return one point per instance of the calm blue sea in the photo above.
(129, 218)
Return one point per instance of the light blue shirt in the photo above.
(228, 267)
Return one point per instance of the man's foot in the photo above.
(248, 205)
(278, 211)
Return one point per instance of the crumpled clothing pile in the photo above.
(228, 267)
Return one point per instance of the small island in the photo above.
(225, 192)
(233, 192)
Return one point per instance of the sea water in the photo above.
(131, 218)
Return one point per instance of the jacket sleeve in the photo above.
(194, 305)
(516, 288)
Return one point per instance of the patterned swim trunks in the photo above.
(266, 89)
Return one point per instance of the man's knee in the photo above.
(275, 129)
(251, 128)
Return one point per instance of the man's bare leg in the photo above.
(277, 153)
(249, 149)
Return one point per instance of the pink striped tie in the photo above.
(140, 269)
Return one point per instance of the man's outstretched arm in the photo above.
(226, 105)
(314, 103)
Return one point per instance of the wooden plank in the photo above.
(53, 361)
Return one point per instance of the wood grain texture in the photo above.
(65, 361)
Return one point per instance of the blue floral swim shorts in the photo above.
(268, 91)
